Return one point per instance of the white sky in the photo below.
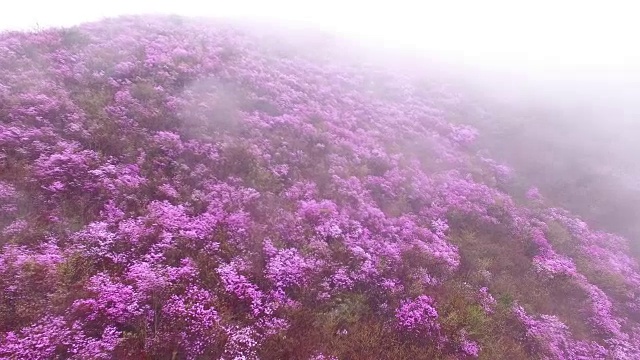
(544, 35)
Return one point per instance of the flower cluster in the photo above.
(418, 316)
(487, 301)
(554, 340)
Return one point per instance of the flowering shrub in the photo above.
(554, 338)
(418, 316)
(113, 302)
(469, 347)
(192, 321)
(487, 301)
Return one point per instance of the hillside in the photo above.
(174, 188)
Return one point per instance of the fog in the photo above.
(567, 49)
(570, 68)
(570, 36)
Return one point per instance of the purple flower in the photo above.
(554, 338)
(487, 301)
(467, 346)
(111, 301)
(38, 341)
(534, 194)
(288, 268)
(418, 316)
(192, 319)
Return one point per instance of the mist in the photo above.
(567, 53)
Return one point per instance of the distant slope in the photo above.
(580, 150)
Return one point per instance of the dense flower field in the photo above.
(172, 189)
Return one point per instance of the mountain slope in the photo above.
(176, 189)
